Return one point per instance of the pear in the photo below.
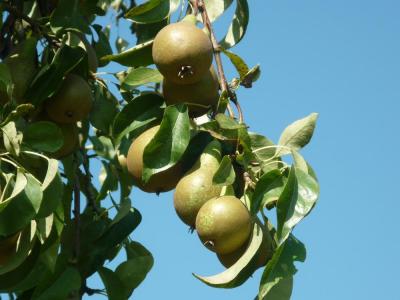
(223, 224)
(196, 186)
(200, 96)
(72, 102)
(22, 65)
(160, 182)
(182, 52)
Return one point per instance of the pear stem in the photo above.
(200, 7)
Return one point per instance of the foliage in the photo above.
(59, 244)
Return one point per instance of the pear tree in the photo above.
(170, 120)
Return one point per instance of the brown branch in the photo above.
(36, 27)
(199, 6)
(77, 210)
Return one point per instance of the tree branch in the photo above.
(200, 7)
(91, 198)
(77, 210)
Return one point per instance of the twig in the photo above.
(36, 27)
(200, 7)
(77, 210)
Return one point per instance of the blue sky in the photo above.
(342, 60)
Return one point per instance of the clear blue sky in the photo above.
(342, 59)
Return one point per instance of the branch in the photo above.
(199, 6)
(77, 209)
(36, 27)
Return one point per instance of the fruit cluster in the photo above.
(183, 54)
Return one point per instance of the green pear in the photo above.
(22, 65)
(196, 186)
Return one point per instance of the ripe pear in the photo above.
(8, 247)
(199, 96)
(263, 255)
(160, 182)
(196, 186)
(182, 52)
(22, 65)
(72, 102)
(71, 140)
(223, 224)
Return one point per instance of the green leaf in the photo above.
(133, 271)
(262, 147)
(227, 123)
(12, 139)
(22, 208)
(298, 134)
(147, 32)
(139, 55)
(238, 273)
(43, 136)
(238, 62)
(142, 76)
(104, 109)
(285, 208)
(281, 267)
(225, 175)
(67, 15)
(281, 290)
(114, 286)
(103, 146)
(215, 8)
(102, 47)
(68, 282)
(5, 82)
(169, 143)
(238, 27)
(150, 12)
(141, 111)
(50, 77)
(264, 187)
(110, 182)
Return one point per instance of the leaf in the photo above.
(281, 290)
(133, 271)
(215, 8)
(11, 138)
(238, 62)
(103, 146)
(43, 136)
(114, 286)
(5, 81)
(298, 134)
(102, 47)
(110, 182)
(281, 267)
(67, 15)
(285, 208)
(138, 113)
(267, 183)
(250, 77)
(169, 143)
(142, 76)
(225, 175)
(238, 273)
(23, 207)
(104, 109)
(228, 123)
(262, 147)
(68, 282)
(139, 55)
(50, 77)
(150, 12)
(238, 27)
